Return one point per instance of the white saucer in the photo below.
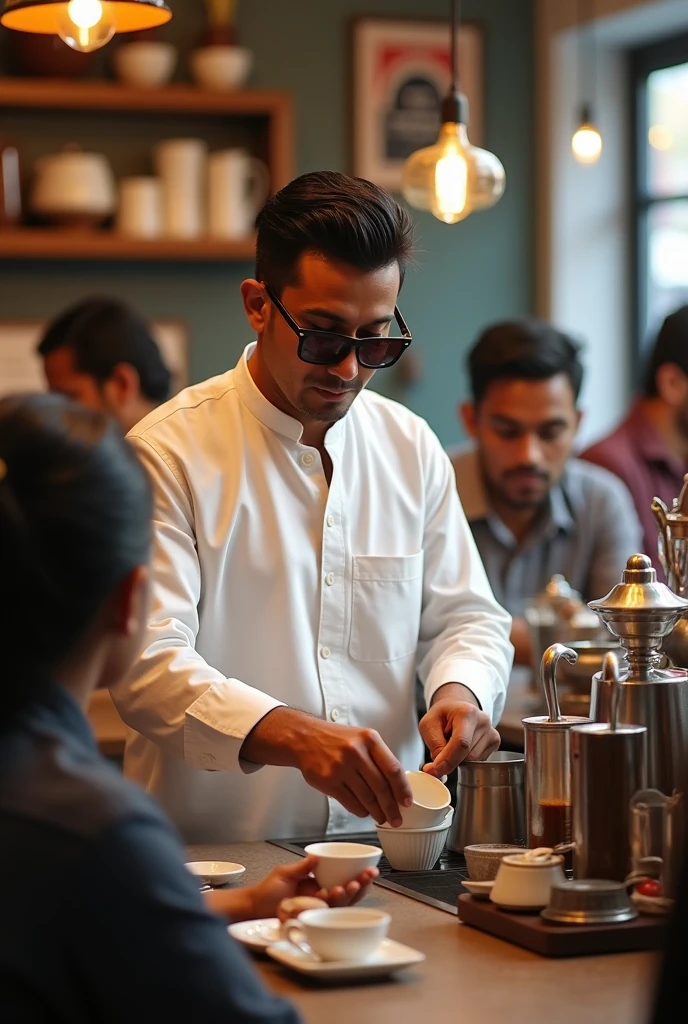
(257, 935)
(215, 872)
(389, 956)
(481, 890)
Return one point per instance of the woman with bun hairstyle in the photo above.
(100, 919)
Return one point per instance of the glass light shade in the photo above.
(84, 24)
(586, 143)
(452, 178)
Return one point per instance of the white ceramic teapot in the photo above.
(73, 188)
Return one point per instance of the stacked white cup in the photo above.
(180, 165)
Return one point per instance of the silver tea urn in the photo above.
(641, 612)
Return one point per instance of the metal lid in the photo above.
(639, 593)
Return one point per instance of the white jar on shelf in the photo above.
(180, 164)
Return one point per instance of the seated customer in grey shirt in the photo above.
(533, 509)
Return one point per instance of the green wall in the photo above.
(466, 275)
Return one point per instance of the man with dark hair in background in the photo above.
(649, 450)
(310, 555)
(535, 511)
(101, 354)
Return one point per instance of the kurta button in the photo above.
(325, 652)
(329, 579)
(307, 459)
(334, 714)
(330, 520)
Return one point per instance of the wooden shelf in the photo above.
(35, 243)
(82, 94)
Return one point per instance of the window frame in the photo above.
(643, 61)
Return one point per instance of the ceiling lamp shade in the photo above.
(84, 24)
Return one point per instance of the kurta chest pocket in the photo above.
(386, 606)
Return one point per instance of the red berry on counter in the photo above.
(649, 888)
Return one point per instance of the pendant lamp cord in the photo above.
(455, 22)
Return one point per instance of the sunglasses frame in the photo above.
(352, 343)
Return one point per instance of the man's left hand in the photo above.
(455, 730)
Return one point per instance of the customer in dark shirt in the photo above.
(649, 450)
(100, 920)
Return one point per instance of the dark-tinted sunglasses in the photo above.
(326, 348)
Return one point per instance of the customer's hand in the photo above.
(284, 882)
(455, 730)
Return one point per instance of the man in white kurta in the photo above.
(305, 571)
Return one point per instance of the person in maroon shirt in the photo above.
(649, 450)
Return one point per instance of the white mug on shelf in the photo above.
(139, 212)
(238, 185)
(180, 164)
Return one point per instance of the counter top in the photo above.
(467, 976)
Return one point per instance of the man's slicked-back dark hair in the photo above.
(342, 218)
(103, 332)
(523, 349)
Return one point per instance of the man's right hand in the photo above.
(352, 765)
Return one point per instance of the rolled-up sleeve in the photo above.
(173, 696)
(464, 634)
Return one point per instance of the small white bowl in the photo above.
(339, 863)
(445, 823)
(147, 65)
(483, 859)
(413, 849)
(220, 67)
(215, 872)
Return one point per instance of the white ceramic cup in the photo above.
(524, 880)
(139, 210)
(238, 185)
(347, 933)
(180, 165)
(339, 863)
(431, 801)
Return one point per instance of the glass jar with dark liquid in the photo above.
(548, 764)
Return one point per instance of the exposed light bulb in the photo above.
(586, 142)
(452, 178)
(87, 25)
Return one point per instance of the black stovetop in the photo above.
(438, 887)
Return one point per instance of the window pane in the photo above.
(667, 118)
(667, 260)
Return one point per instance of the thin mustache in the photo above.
(330, 387)
(531, 470)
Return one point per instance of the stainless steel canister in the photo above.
(490, 805)
(609, 765)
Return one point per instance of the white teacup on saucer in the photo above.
(344, 934)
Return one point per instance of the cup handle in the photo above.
(260, 182)
(295, 936)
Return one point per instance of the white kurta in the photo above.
(271, 587)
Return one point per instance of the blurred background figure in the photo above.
(533, 509)
(649, 450)
(101, 354)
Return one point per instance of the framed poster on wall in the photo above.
(401, 71)
(20, 366)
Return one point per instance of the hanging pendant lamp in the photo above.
(453, 178)
(586, 141)
(84, 24)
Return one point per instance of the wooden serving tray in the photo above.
(550, 939)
